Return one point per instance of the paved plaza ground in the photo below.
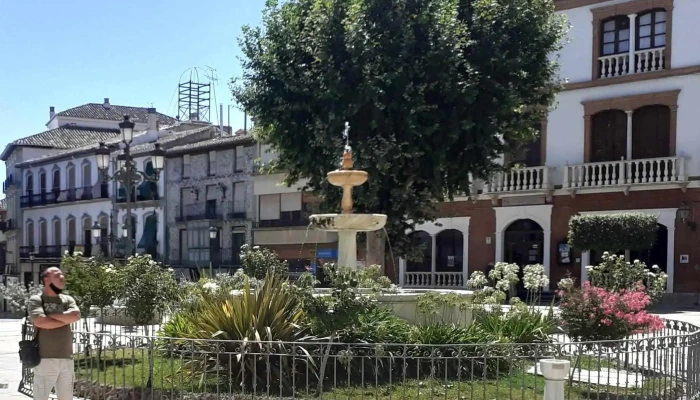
(10, 332)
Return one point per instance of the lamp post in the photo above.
(127, 173)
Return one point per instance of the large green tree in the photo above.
(433, 90)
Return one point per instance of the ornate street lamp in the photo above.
(127, 130)
(683, 212)
(126, 173)
(213, 233)
(96, 230)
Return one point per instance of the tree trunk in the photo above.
(375, 251)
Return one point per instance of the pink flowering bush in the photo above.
(595, 314)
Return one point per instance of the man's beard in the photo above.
(55, 289)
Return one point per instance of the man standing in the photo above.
(52, 313)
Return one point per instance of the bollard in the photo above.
(555, 372)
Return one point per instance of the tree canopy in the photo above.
(434, 91)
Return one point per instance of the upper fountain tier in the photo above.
(347, 178)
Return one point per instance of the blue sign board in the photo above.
(327, 253)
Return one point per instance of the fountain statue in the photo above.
(347, 223)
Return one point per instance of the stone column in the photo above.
(465, 257)
(547, 255)
(670, 256)
(629, 134)
(433, 259)
(633, 44)
(585, 261)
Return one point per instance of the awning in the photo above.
(150, 232)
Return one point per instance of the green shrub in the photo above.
(614, 273)
(258, 262)
(517, 326)
(92, 282)
(612, 232)
(147, 288)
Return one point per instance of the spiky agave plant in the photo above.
(250, 335)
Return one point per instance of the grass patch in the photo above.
(130, 368)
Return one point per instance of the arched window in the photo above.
(70, 183)
(42, 182)
(609, 136)
(43, 234)
(30, 185)
(30, 233)
(87, 174)
(87, 235)
(651, 30)
(615, 35)
(57, 236)
(56, 181)
(72, 233)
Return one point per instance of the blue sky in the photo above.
(72, 52)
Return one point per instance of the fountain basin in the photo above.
(348, 222)
(404, 304)
(347, 178)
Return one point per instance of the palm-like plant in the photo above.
(249, 336)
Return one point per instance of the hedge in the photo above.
(613, 232)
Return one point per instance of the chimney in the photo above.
(106, 104)
(52, 112)
(152, 120)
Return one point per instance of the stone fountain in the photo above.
(402, 302)
(347, 223)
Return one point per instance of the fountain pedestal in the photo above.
(347, 224)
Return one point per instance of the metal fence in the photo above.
(117, 364)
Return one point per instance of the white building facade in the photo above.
(623, 137)
(56, 194)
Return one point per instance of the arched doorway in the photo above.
(419, 271)
(425, 263)
(449, 254)
(657, 254)
(523, 245)
(449, 246)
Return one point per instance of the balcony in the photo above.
(25, 251)
(287, 219)
(626, 173)
(200, 211)
(10, 269)
(237, 210)
(648, 60)
(8, 184)
(521, 180)
(453, 280)
(49, 252)
(7, 225)
(205, 257)
(63, 196)
(147, 191)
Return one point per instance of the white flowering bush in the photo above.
(477, 281)
(614, 273)
(258, 261)
(17, 296)
(505, 276)
(218, 287)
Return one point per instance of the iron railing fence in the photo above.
(662, 365)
